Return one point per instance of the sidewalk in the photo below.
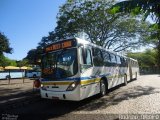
(17, 92)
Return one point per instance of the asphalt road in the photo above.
(139, 97)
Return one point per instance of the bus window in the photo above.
(123, 62)
(113, 59)
(106, 57)
(97, 57)
(85, 58)
(88, 57)
(118, 60)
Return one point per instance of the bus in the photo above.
(33, 73)
(75, 69)
(11, 73)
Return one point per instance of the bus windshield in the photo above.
(60, 64)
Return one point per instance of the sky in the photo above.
(25, 22)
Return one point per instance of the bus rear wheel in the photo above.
(103, 87)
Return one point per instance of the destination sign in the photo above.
(60, 45)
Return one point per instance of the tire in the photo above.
(34, 76)
(103, 88)
(125, 80)
(8, 77)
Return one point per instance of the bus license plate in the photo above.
(55, 98)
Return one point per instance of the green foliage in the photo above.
(140, 6)
(32, 56)
(95, 21)
(145, 59)
(115, 10)
(22, 63)
(4, 44)
(147, 7)
(4, 61)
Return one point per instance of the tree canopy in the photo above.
(94, 20)
(147, 58)
(33, 56)
(4, 61)
(5, 48)
(4, 44)
(145, 7)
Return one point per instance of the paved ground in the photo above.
(138, 97)
(16, 86)
(16, 93)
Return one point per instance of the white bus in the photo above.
(75, 69)
(13, 73)
(33, 73)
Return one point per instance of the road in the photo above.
(140, 96)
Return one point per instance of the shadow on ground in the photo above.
(45, 109)
(117, 96)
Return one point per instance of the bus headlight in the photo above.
(72, 86)
(43, 87)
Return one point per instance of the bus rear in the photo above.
(60, 74)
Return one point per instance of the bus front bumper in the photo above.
(56, 95)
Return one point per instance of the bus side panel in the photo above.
(91, 86)
(89, 90)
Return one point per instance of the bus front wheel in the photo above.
(103, 87)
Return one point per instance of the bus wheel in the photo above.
(8, 77)
(34, 76)
(103, 87)
(125, 80)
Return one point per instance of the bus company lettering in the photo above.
(58, 46)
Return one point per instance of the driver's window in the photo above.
(85, 58)
(88, 57)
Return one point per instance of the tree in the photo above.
(4, 47)
(94, 20)
(148, 7)
(3, 61)
(23, 62)
(146, 58)
(4, 44)
(33, 56)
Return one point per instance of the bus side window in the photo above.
(85, 58)
(97, 57)
(106, 57)
(88, 60)
(113, 59)
(123, 62)
(118, 60)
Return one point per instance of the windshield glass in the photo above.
(60, 64)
